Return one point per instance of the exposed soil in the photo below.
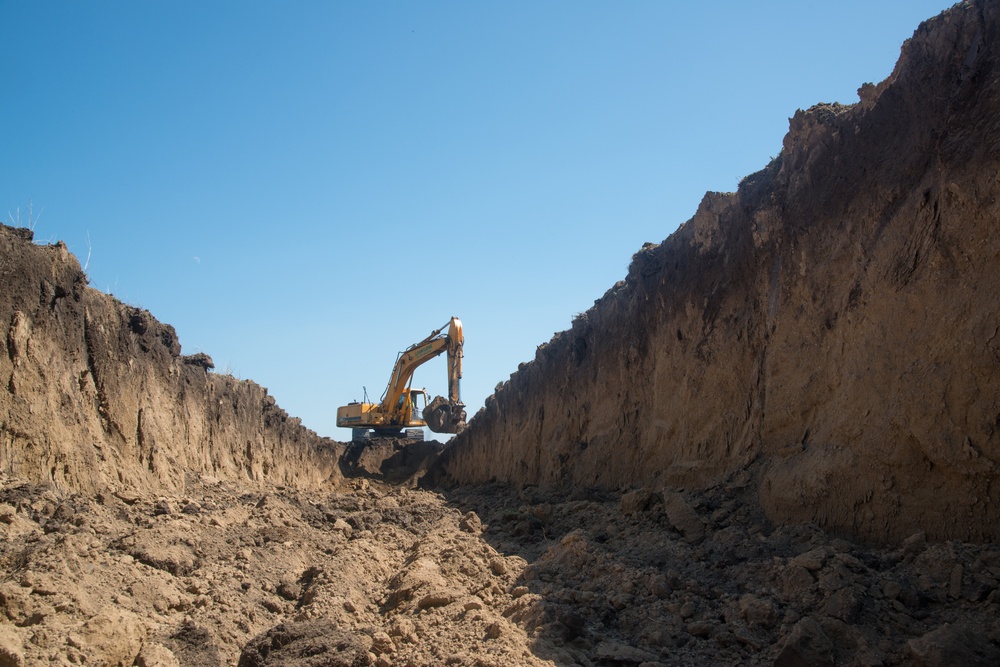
(379, 574)
(836, 318)
(780, 445)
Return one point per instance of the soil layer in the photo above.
(836, 320)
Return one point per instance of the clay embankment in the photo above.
(835, 321)
(95, 395)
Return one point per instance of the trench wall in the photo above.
(833, 324)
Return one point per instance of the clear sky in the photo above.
(303, 189)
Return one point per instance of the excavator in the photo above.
(399, 414)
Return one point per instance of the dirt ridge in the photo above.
(834, 321)
(95, 394)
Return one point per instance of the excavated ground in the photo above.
(155, 514)
(393, 575)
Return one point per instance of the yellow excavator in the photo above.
(399, 414)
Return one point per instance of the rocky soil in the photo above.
(391, 575)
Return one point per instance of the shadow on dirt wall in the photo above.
(674, 576)
(702, 577)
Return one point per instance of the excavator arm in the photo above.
(448, 415)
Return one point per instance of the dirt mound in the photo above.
(835, 319)
(392, 460)
(274, 575)
(313, 643)
(390, 576)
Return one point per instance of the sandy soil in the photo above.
(392, 575)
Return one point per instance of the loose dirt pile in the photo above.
(386, 575)
(373, 575)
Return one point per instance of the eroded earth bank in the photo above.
(836, 320)
(775, 443)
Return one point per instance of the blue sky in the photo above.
(302, 189)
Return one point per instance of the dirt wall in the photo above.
(95, 395)
(834, 323)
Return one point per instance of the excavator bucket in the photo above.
(445, 417)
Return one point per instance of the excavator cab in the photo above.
(411, 406)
